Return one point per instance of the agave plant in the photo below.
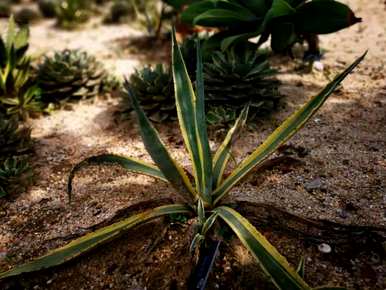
(153, 87)
(18, 94)
(203, 197)
(70, 75)
(286, 21)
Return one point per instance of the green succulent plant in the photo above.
(48, 8)
(18, 93)
(286, 21)
(70, 75)
(15, 144)
(15, 172)
(71, 13)
(239, 76)
(153, 87)
(203, 197)
(120, 10)
(26, 16)
(5, 9)
(14, 140)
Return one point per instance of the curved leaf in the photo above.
(321, 17)
(130, 164)
(158, 152)
(195, 9)
(271, 261)
(285, 131)
(92, 240)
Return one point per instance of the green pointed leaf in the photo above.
(158, 152)
(11, 32)
(128, 163)
(301, 267)
(209, 223)
(189, 109)
(201, 128)
(223, 153)
(271, 261)
(285, 131)
(92, 240)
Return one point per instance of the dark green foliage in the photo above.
(15, 144)
(18, 94)
(71, 13)
(70, 75)
(15, 173)
(224, 116)
(286, 21)
(14, 140)
(120, 10)
(154, 88)
(26, 16)
(5, 9)
(48, 8)
(240, 76)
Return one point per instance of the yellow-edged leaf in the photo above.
(223, 153)
(158, 152)
(272, 262)
(285, 131)
(92, 240)
(189, 109)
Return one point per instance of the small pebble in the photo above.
(318, 65)
(324, 248)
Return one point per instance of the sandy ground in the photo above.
(342, 177)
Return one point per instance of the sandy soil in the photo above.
(342, 176)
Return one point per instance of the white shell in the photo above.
(324, 248)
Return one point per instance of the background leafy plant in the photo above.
(71, 13)
(203, 196)
(286, 21)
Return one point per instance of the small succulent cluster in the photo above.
(18, 93)
(232, 79)
(26, 16)
(154, 88)
(71, 13)
(5, 9)
(15, 144)
(120, 11)
(239, 76)
(70, 75)
(48, 8)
